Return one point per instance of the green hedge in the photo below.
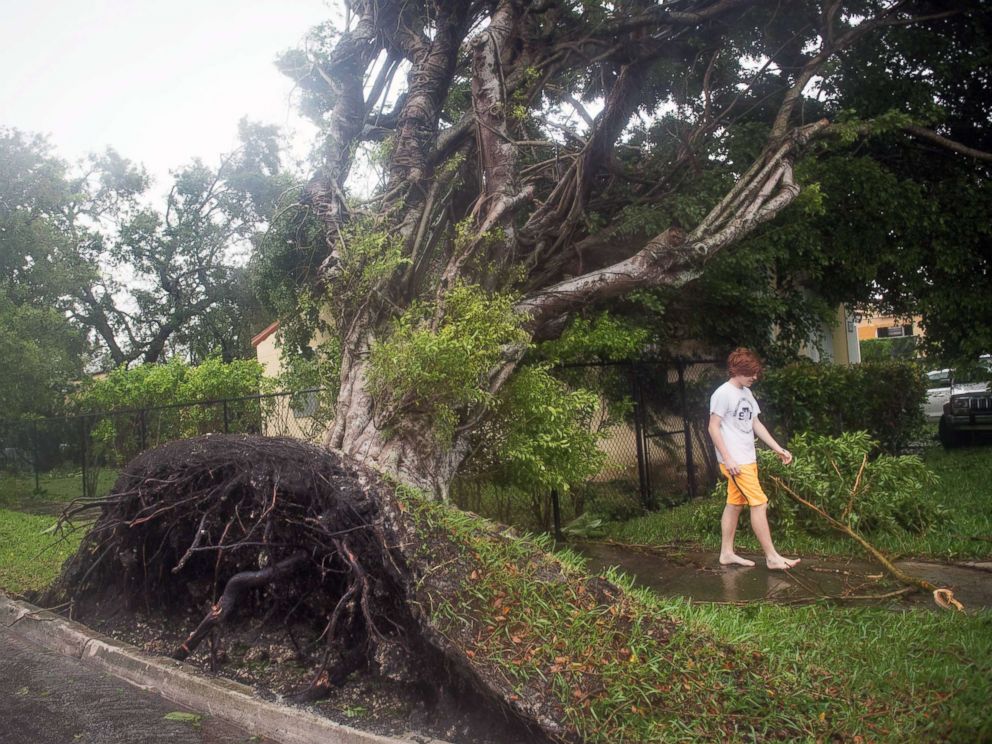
(130, 410)
(883, 398)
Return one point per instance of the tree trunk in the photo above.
(408, 454)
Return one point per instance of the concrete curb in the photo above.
(174, 681)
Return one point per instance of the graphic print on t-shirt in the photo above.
(743, 414)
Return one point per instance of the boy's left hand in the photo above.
(785, 456)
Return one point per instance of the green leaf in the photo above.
(178, 715)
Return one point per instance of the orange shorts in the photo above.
(744, 489)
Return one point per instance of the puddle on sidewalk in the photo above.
(699, 575)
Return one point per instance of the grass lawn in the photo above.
(30, 558)
(53, 490)
(882, 675)
(870, 672)
(963, 533)
(755, 673)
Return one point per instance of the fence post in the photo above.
(226, 420)
(142, 429)
(690, 466)
(35, 456)
(556, 514)
(82, 453)
(639, 439)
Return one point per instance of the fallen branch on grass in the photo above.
(820, 598)
(943, 596)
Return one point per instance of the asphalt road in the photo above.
(48, 698)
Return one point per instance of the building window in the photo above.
(895, 331)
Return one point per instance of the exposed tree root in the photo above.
(243, 527)
(232, 592)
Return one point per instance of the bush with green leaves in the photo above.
(151, 385)
(131, 409)
(540, 437)
(883, 494)
(434, 372)
(883, 349)
(883, 398)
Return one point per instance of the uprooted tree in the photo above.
(540, 157)
(268, 533)
(324, 551)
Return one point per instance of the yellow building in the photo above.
(888, 326)
(267, 351)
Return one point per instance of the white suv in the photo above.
(940, 387)
(962, 407)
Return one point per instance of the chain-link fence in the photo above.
(656, 449)
(657, 452)
(79, 456)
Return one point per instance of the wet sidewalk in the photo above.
(699, 575)
(63, 682)
(49, 698)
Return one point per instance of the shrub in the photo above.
(884, 399)
(885, 494)
(151, 385)
(883, 349)
(137, 408)
(539, 437)
(436, 372)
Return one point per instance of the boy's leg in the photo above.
(759, 524)
(728, 528)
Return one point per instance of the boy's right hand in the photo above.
(732, 467)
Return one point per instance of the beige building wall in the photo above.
(837, 340)
(267, 351)
(283, 420)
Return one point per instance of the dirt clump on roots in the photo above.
(277, 563)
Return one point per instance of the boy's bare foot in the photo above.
(732, 559)
(778, 563)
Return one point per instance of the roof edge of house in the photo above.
(268, 331)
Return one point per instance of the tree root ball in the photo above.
(228, 526)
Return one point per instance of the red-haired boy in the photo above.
(733, 424)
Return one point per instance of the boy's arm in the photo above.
(714, 429)
(765, 436)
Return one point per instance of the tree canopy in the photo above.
(703, 166)
(42, 350)
(94, 277)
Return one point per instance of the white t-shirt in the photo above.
(736, 408)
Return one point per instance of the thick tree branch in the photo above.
(343, 76)
(500, 195)
(430, 76)
(672, 258)
(930, 135)
(553, 225)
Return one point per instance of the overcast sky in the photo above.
(160, 82)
